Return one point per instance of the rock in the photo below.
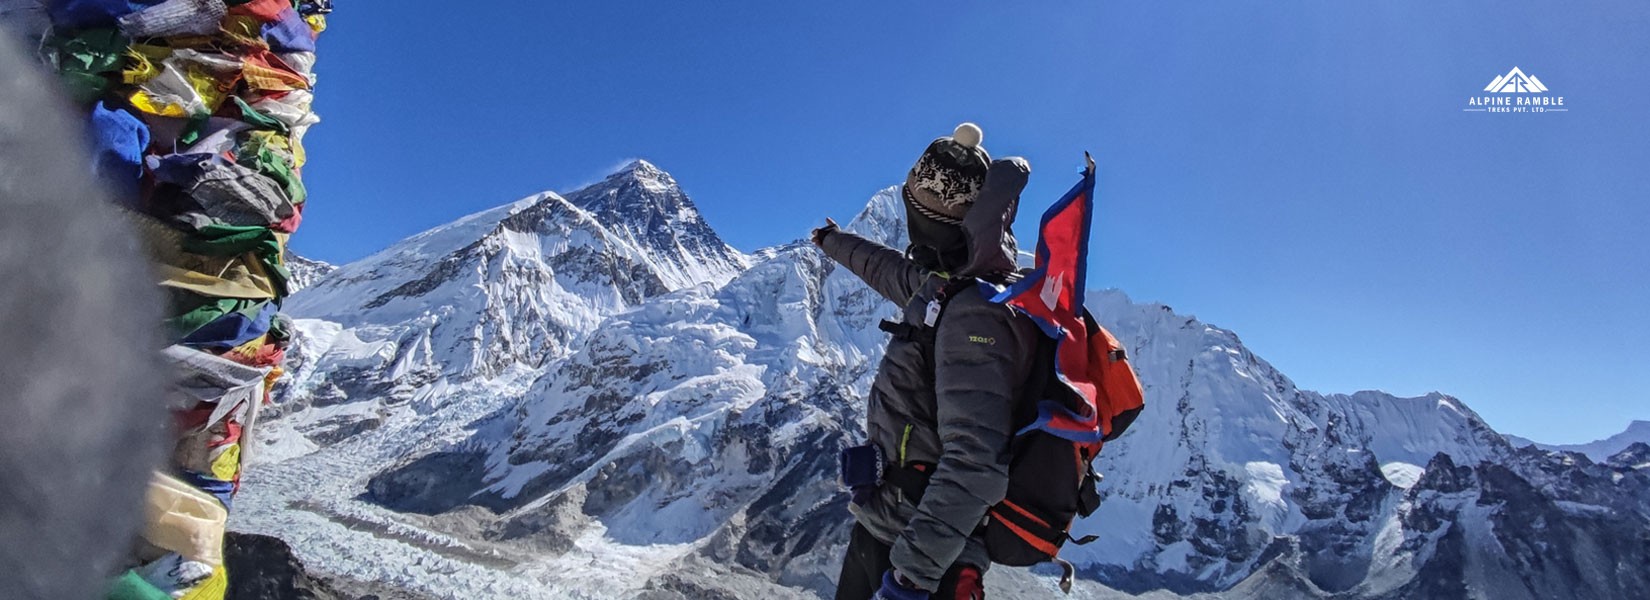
(264, 568)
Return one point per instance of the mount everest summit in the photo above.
(591, 395)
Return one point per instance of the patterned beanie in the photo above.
(947, 178)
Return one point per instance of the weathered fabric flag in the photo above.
(1052, 295)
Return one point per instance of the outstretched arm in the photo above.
(885, 269)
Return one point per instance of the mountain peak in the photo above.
(640, 164)
(644, 205)
(640, 170)
(882, 219)
(1635, 456)
(639, 185)
(305, 271)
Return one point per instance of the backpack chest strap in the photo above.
(907, 332)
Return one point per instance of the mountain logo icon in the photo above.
(1516, 82)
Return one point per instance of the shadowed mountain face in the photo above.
(593, 396)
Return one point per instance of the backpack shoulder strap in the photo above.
(936, 308)
(956, 286)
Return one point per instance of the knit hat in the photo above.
(947, 178)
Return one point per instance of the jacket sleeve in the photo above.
(981, 354)
(885, 269)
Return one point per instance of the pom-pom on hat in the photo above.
(947, 178)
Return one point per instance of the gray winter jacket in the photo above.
(960, 421)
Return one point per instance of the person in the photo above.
(939, 433)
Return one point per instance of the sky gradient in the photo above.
(1300, 172)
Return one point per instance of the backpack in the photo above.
(1051, 476)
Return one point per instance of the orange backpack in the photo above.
(1051, 478)
(1121, 397)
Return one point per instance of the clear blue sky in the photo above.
(1300, 172)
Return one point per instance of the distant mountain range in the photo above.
(594, 396)
(1638, 432)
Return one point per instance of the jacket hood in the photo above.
(988, 226)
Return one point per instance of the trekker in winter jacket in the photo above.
(939, 433)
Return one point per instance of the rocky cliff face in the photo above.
(592, 396)
(1539, 525)
(266, 569)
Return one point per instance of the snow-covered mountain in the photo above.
(644, 209)
(492, 297)
(305, 271)
(593, 396)
(1601, 450)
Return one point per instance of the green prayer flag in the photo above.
(258, 119)
(131, 587)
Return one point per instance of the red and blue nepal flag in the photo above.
(1052, 295)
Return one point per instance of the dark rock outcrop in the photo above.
(430, 485)
(264, 568)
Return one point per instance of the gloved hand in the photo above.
(895, 587)
(820, 233)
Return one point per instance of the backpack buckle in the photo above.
(899, 329)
